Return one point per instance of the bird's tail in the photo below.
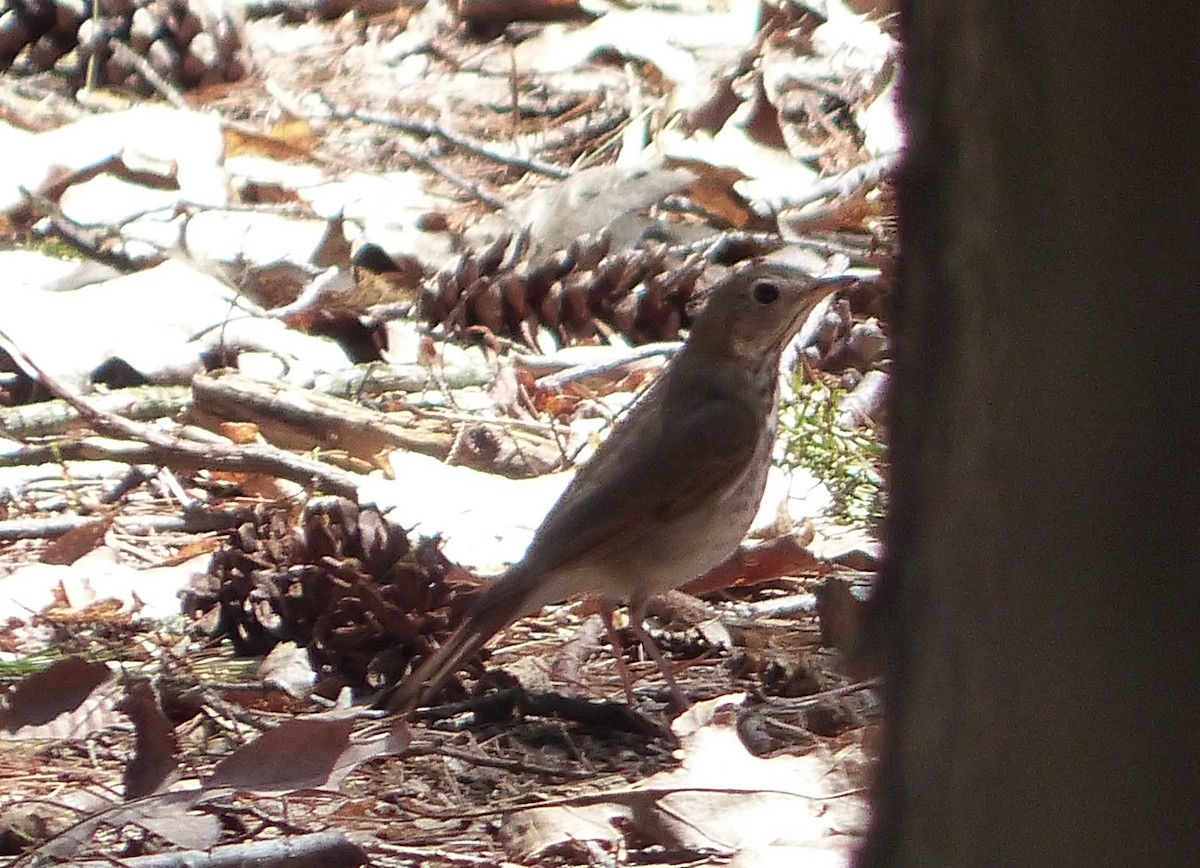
(495, 609)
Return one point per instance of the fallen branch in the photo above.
(317, 849)
(176, 452)
(192, 521)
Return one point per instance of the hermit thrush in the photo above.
(673, 489)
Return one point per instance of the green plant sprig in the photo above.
(850, 463)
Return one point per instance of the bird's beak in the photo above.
(827, 287)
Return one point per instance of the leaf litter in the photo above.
(292, 249)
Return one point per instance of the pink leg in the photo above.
(636, 617)
(614, 639)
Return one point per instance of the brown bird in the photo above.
(673, 489)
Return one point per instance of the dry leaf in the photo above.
(301, 754)
(77, 542)
(154, 755)
(43, 696)
(71, 699)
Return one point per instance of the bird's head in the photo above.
(755, 311)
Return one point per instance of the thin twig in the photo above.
(476, 189)
(479, 759)
(428, 128)
(168, 91)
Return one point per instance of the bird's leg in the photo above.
(637, 614)
(636, 618)
(614, 641)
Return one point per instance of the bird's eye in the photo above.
(765, 292)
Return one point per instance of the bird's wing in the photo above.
(622, 493)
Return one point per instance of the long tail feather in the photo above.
(500, 605)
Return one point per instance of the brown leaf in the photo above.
(753, 564)
(714, 194)
(302, 754)
(77, 542)
(45, 695)
(155, 745)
